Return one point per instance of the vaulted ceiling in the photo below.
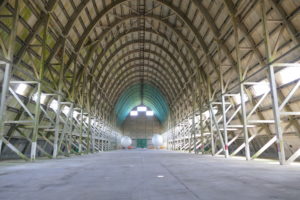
(104, 47)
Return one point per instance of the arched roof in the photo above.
(110, 46)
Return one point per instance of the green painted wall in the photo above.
(141, 143)
(152, 97)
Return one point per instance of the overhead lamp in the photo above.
(149, 113)
(141, 108)
(21, 89)
(134, 113)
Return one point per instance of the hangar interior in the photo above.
(218, 78)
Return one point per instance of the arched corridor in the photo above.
(214, 78)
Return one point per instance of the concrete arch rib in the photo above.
(131, 62)
(162, 62)
(160, 47)
(121, 78)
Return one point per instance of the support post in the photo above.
(223, 103)
(193, 118)
(7, 72)
(242, 89)
(57, 127)
(276, 112)
(217, 127)
(59, 100)
(209, 93)
(201, 125)
(39, 91)
(80, 131)
(225, 126)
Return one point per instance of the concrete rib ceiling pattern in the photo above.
(112, 45)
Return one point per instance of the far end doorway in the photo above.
(141, 143)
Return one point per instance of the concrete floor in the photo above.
(147, 175)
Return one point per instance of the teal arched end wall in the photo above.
(152, 98)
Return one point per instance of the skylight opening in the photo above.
(149, 113)
(43, 98)
(141, 108)
(289, 74)
(75, 114)
(238, 100)
(54, 105)
(134, 113)
(261, 88)
(207, 115)
(197, 118)
(66, 110)
(21, 89)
